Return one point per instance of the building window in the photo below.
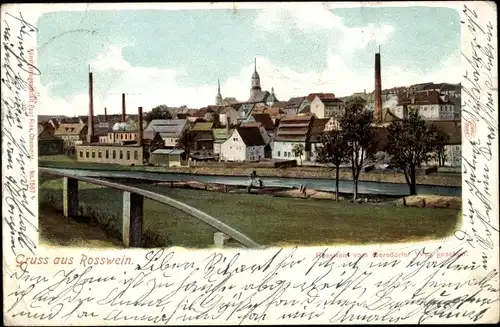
(107, 154)
(81, 154)
(93, 154)
(128, 155)
(121, 154)
(87, 154)
(99, 154)
(114, 154)
(136, 155)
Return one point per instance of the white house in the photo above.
(292, 130)
(431, 105)
(244, 144)
(326, 105)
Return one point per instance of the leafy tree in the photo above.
(441, 139)
(355, 100)
(159, 112)
(298, 151)
(411, 143)
(356, 126)
(334, 150)
(186, 141)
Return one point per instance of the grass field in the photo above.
(268, 220)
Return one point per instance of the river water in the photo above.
(364, 187)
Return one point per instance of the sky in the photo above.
(176, 57)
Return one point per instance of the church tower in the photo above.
(255, 89)
(218, 97)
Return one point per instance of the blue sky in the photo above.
(175, 57)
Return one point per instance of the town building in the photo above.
(220, 136)
(168, 157)
(170, 130)
(326, 105)
(292, 130)
(71, 134)
(203, 138)
(295, 105)
(431, 105)
(48, 144)
(244, 144)
(316, 131)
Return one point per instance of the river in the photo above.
(364, 187)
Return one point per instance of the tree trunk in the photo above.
(413, 181)
(355, 190)
(337, 183)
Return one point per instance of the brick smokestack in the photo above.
(123, 108)
(90, 131)
(105, 114)
(140, 134)
(378, 89)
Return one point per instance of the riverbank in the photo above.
(435, 179)
(269, 220)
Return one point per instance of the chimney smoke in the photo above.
(140, 135)
(123, 108)
(378, 89)
(90, 127)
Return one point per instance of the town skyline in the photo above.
(188, 76)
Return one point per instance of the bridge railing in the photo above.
(133, 208)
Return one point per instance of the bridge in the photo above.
(133, 208)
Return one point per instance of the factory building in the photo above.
(117, 147)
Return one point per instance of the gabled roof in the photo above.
(167, 127)
(103, 131)
(321, 96)
(306, 110)
(294, 103)
(265, 120)
(423, 98)
(317, 128)
(221, 134)
(70, 120)
(202, 126)
(70, 129)
(294, 128)
(251, 136)
(203, 111)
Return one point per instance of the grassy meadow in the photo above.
(268, 220)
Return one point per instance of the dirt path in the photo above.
(57, 230)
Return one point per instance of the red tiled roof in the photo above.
(422, 98)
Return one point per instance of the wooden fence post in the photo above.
(70, 197)
(133, 212)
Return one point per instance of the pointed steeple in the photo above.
(255, 80)
(218, 97)
(255, 64)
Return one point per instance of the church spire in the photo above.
(255, 64)
(218, 97)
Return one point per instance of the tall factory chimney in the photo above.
(140, 135)
(105, 114)
(123, 108)
(90, 130)
(378, 89)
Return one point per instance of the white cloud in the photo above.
(112, 59)
(318, 17)
(153, 86)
